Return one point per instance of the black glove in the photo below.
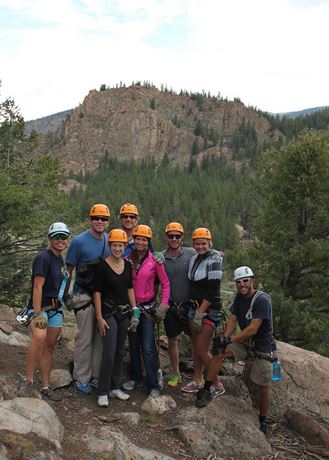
(220, 342)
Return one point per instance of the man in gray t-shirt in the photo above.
(177, 259)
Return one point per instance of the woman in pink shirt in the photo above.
(142, 342)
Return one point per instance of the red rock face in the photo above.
(139, 122)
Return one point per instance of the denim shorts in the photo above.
(54, 317)
(211, 318)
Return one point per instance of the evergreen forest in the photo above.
(280, 198)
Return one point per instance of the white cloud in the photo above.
(270, 54)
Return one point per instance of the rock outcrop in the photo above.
(140, 122)
(228, 427)
(31, 415)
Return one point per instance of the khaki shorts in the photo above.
(261, 369)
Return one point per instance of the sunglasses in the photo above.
(174, 235)
(97, 218)
(245, 280)
(128, 216)
(59, 236)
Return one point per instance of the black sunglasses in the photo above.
(128, 216)
(97, 218)
(59, 236)
(174, 235)
(245, 280)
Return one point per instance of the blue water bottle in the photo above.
(276, 370)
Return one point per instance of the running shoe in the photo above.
(192, 387)
(103, 401)
(27, 390)
(83, 388)
(155, 393)
(131, 385)
(119, 394)
(217, 390)
(175, 379)
(48, 393)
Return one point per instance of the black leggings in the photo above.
(113, 351)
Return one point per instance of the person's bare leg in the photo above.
(173, 350)
(46, 362)
(34, 351)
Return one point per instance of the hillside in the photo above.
(300, 113)
(142, 121)
(47, 124)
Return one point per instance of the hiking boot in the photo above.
(48, 393)
(217, 391)
(27, 390)
(103, 401)
(175, 379)
(119, 394)
(131, 385)
(192, 387)
(203, 398)
(154, 393)
(83, 388)
(94, 383)
(263, 426)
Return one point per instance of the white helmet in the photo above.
(57, 228)
(243, 272)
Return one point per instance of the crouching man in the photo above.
(252, 310)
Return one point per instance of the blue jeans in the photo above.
(142, 342)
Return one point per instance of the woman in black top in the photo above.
(45, 307)
(114, 298)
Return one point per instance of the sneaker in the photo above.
(48, 393)
(103, 401)
(83, 388)
(175, 379)
(203, 397)
(94, 383)
(154, 393)
(131, 385)
(192, 387)
(119, 394)
(217, 391)
(27, 390)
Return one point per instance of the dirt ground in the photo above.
(78, 412)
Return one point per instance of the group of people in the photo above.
(122, 288)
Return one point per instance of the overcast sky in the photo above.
(272, 54)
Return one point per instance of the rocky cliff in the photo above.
(138, 122)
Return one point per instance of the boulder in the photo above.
(60, 378)
(26, 446)
(7, 314)
(31, 415)
(8, 387)
(6, 328)
(158, 405)
(308, 426)
(304, 383)
(131, 418)
(15, 338)
(237, 388)
(227, 428)
(110, 443)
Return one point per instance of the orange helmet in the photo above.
(201, 233)
(143, 230)
(117, 235)
(128, 208)
(174, 226)
(99, 210)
